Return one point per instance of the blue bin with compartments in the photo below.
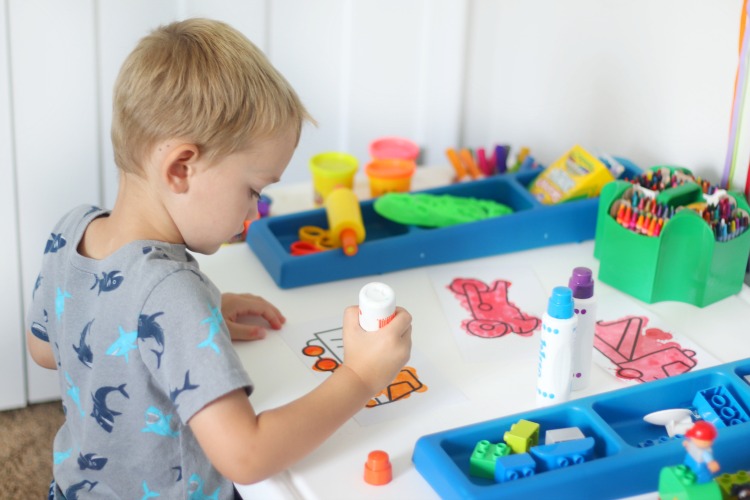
(390, 246)
(619, 465)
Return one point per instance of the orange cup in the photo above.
(387, 176)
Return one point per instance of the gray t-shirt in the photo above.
(141, 346)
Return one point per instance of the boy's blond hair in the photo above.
(201, 80)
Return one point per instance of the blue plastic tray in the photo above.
(392, 247)
(628, 453)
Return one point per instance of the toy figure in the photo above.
(699, 457)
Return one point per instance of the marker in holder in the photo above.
(377, 306)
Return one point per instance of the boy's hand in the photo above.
(238, 306)
(377, 357)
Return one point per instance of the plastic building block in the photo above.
(559, 435)
(679, 483)
(730, 484)
(482, 460)
(522, 436)
(515, 466)
(565, 454)
(378, 470)
(660, 440)
(717, 406)
(677, 421)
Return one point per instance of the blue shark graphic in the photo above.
(108, 282)
(91, 211)
(214, 321)
(158, 252)
(104, 415)
(178, 468)
(91, 461)
(61, 456)
(148, 493)
(158, 423)
(148, 328)
(37, 284)
(85, 355)
(187, 386)
(72, 492)
(74, 393)
(60, 302)
(54, 243)
(123, 345)
(39, 331)
(195, 489)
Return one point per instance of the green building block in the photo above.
(522, 435)
(726, 481)
(677, 482)
(484, 456)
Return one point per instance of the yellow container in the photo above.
(331, 170)
(577, 174)
(388, 176)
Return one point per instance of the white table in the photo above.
(335, 470)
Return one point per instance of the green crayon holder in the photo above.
(685, 263)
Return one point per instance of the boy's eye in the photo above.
(254, 194)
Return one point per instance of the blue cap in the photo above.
(560, 304)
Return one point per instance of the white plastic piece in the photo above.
(565, 434)
(676, 421)
(377, 306)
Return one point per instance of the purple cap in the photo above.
(582, 283)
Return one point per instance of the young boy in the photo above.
(156, 399)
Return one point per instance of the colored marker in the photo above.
(584, 306)
(556, 348)
(456, 162)
(377, 306)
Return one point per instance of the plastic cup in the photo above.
(331, 170)
(389, 176)
(387, 148)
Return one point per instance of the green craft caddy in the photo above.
(684, 263)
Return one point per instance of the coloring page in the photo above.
(418, 387)
(493, 311)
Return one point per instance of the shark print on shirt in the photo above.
(108, 282)
(214, 321)
(91, 461)
(149, 328)
(54, 243)
(104, 415)
(85, 355)
(123, 345)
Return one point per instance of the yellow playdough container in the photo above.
(388, 176)
(331, 170)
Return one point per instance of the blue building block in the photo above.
(717, 406)
(564, 454)
(484, 456)
(515, 466)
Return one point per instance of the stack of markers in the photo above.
(726, 220)
(641, 214)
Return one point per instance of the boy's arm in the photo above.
(41, 351)
(247, 448)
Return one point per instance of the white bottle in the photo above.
(377, 306)
(582, 285)
(556, 348)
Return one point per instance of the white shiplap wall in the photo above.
(648, 79)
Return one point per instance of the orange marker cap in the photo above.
(378, 470)
(349, 242)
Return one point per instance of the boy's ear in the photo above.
(178, 167)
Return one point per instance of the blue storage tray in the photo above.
(390, 246)
(628, 452)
